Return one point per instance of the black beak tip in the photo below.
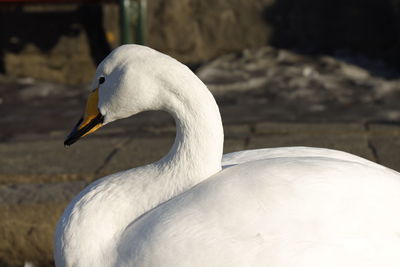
(77, 133)
(68, 142)
(73, 135)
(71, 138)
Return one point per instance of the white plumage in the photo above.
(278, 207)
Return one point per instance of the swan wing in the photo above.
(282, 211)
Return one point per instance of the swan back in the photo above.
(293, 211)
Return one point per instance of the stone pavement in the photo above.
(39, 178)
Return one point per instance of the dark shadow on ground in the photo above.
(364, 32)
(44, 29)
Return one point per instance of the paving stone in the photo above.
(162, 131)
(385, 139)
(387, 150)
(138, 152)
(235, 131)
(14, 194)
(232, 145)
(47, 161)
(384, 129)
(308, 128)
(29, 213)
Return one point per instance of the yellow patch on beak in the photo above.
(91, 121)
(91, 112)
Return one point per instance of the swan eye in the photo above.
(102, 80)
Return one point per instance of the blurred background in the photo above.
(284, 72)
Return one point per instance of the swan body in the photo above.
(278, 207)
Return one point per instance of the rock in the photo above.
(320, 87)
(354, 72)
(195, 30)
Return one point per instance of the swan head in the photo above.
(131, 79)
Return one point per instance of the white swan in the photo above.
(281, 207)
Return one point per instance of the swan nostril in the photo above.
(102, 79)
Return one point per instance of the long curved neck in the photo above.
(116, 201)
(198, 147)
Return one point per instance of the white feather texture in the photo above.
(278, 207)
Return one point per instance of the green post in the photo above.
(125, 25)
(140, 33)
(133, 18)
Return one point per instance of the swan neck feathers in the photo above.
(98, 216)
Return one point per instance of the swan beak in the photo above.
(90, 122)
